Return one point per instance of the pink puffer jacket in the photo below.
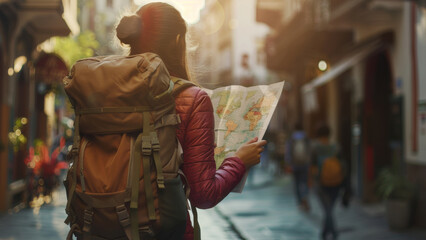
(196, 134)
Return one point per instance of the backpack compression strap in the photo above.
(143, 149)
(73, 157)
(146, 145)
(180, 85)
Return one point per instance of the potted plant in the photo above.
(16, 137)
(398, 193)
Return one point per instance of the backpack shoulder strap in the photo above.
(180, 85)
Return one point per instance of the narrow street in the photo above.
(319, 80)
(265, 210)
(47, 222)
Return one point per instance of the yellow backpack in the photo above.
(331, 172)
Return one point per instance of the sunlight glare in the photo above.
(190, 9)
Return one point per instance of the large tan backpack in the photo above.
(124, 181)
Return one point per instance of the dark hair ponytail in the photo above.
(129, 29)
(159, 28)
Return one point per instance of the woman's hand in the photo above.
(250, 151)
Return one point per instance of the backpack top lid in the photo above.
(137, 82)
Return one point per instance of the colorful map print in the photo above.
(241, 113)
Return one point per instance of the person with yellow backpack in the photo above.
(329, 174)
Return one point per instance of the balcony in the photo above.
(307, 29)
(42, 18)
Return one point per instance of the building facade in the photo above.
(101, 17)
(23, 26)
(230, 44)
(372, 90)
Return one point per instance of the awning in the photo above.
(44, 19)
(299, 40)
(302, 38)
(358, 53)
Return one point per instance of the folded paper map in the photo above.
(241, 113)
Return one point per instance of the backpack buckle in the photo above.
(147, 231)
(160, 182)
(123, 215)
(88, 219)
(155, 142)
(156, 147)
(146, 145)
(72, 153)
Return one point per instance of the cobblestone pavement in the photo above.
(267, 210)
(47, 223)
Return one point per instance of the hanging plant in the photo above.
(16, 138)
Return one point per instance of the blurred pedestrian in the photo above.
(247, 77)
(298, 158)
(280, 149)
(329, 178)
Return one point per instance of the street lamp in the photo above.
(322, 65)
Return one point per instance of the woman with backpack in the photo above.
(159, 28)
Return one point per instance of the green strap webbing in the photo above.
(156, 154)
(87, 223)
(167, 120)
(146, 159)
(103, 201)
(73, 229)
(81, 155)
(136, 173)
(124, 219)
(197, 230)
(134, 223)
(186, 186)
(74, 152)
(168, 91)
(76, 143)
(131, 163)
(148, 187)
(180, 85)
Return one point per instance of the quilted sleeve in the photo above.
(208, 185)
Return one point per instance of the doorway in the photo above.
(376, 124)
